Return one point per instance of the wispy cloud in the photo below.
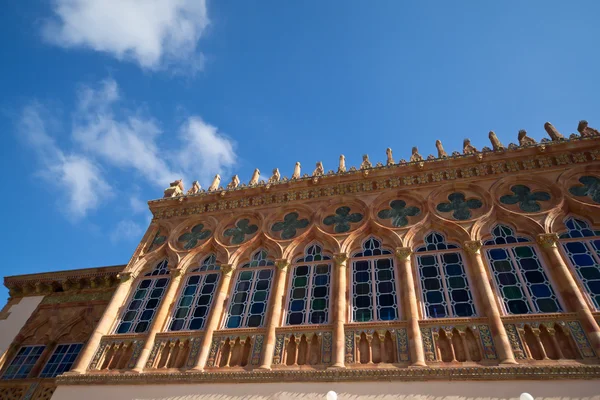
(156, 34)
(126, 230)
(80, 182)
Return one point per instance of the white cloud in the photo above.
(77, 177)
(205, 151)
(154, 33)
(137, 205)
(126, 230)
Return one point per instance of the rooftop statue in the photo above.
(441, 152)
(552, 132)
(468, 148)
(496, 145)
(365, 162)
(254, 179)
(525, 140)
(275, 177)
(342, 166)
(319, 170)
(175, 189)
(390, 158)
(415, 156)
(585, 131)
(235, 181)
(195, 188)
(215, 183)
(296, 174)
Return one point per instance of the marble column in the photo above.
(214, 317)
(106, 322)
(571, 293)
(341, 306)
(160, 318)
(275, 314)
(488, 297)
(411, 308)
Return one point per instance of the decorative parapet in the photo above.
(545, 155)
(117, 352)
(295, 346)
(236, 348)
(63, 282)
(174, 351)
(371, 343)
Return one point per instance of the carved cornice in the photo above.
(470, 167)
(520, 372)
(62, 281)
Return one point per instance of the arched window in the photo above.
(145, 300)
(196, 297)
(250, 296)
(444, 283)
(581, 244)
(521, 280)
(309, 288)
(373, 284)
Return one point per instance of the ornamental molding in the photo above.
(520, 372)
(433, 172)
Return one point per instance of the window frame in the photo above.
(371, 259)
(312, 267)
(41, 374)
(510, 249)
(15, 375)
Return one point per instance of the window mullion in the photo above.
(525, 290)
(308, 293)
(197, 292)
(249, 298)
(373, 289)
(438, 258)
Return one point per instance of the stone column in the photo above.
(275, 314)
(159, 318)
(214, 317)
(340, 302)
(411, 308)
(490, 306)
(106, 322)
(571, 293)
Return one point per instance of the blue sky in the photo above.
(104, 101)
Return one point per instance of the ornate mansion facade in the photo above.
(481, 267)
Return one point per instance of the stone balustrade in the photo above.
(117, 352)
(174, 351)
(236, 349)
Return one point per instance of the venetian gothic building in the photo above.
(470, 274)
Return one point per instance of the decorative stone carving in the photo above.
(547, 240)
(365, 162)
(215, 183)
(275, 177)
(496, 145)
(255, 177)
(415, 156)
(468, 148)
(440, 149)
(342, 164)
(525, 140)
(175, 189)
(390, 157)
(235, 182)
(585, 130)
(553, 132)
(296, 174)
(319, 170)
(472, 246)
(403, 253)
(195, 188)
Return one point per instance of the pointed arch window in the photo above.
(444, 284)
(581, 244)
(374, 295)
(140, 310)
(196, 296)
(518, 273)
(250, 295)
(310, 288)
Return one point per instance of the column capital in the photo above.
(403, 253)
(226, 268)
(472, 246)
(340, 258)
(282, 264)
(547, 240)
(124, 276)
(174, 272)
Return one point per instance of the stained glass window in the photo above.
(582, 247)
(196, 297)
(309, 288)
(444, 283)
(373, 284)
(61, 360)
(250, 296)
(145, 300)
(23, 363)
(518, 273)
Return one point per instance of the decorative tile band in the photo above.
(137, 349)
(278, 349)
(214, 348)
(428, 344)
(257, 349)
(349, 344)
(581, 339)
(402, 345)
(101, 349)
(194, 352)
(515, 341)
(489, 350)
(326, 348)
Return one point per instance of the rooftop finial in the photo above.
(275, 177)
(319, 170)
(525, 140)
(235, 181)
(441, 152)
(468, 148)
(175, 189)
(553, 132)
(585, 131)
(390, 157)
(195, 188)
(215, 183)
(296, 174)
(365, 162)
(496, 145)
(254, 179)
(415, 156)
(342, 165)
